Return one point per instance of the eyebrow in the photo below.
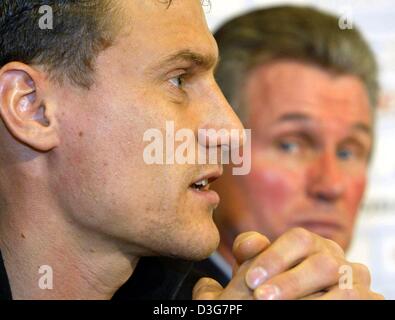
(300, 117)
(363, 127)
(205, 61)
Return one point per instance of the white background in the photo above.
(374, 241)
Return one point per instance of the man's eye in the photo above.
(178, 81)
(289, 147)
(344, 154)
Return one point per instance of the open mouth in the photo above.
(201, 189)
(203, 184)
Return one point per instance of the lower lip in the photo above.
(210, 196)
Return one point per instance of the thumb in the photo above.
(207, 289)
(248, 245)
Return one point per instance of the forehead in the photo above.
(155, 28)
(281, 87)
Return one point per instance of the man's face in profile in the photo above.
(159, 69)
(311, 141)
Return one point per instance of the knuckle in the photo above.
(201, 286)
(203, 282)
(302, 236)
(328, 265)
(362, 268)
(335, 247)
(271, 262)
(362, 271)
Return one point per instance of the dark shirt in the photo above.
(207, 268)
(5, 290)
(158, 278)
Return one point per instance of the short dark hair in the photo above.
(81, 29)
(290, 32)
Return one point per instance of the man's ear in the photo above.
(23, 108)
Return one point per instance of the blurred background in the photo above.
(374, 240)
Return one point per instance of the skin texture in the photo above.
(77, 196)
(312, 136)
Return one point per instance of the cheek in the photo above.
(355, 190)
(101, 153)
(272, 189)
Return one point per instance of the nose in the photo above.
(221, 126)
(326, 179)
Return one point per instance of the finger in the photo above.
(356, 293)
(334, 248)
(314, 295)
(313, 275)
(286, 252)
(235, 268)
(237, 287)
(248, 245)
(360, 274)
(206, 289)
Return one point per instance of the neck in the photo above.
(84, 265)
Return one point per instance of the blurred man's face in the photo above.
(146, 78)
(311, 139)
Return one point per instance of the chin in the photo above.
(202, 246)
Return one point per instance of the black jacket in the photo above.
(5, 290)
(207, 268)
